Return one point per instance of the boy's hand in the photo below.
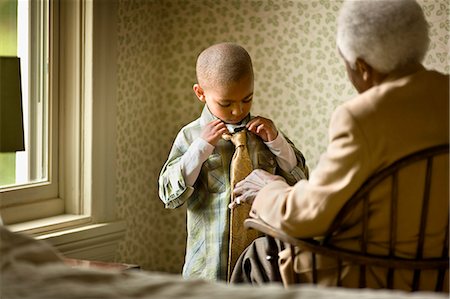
(213, 131)
(263, 127)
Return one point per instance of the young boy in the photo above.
(198, 168)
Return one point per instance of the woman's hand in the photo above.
(247, 189)
(213, 131)
(263, 127)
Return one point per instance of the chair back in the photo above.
(393, 231)
(423, 196)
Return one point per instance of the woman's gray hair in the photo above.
(387, 34)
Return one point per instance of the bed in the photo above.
(33, 269)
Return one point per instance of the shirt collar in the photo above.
(208, 117)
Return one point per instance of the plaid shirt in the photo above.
(207, 201)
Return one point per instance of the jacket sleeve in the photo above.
(308, 208)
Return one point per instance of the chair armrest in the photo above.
(354, 257)
(262, 226)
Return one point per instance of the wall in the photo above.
(299, 80)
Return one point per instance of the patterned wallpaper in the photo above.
(299, 80)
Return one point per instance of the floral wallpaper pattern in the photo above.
(299, 80)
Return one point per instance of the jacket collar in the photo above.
(404, 72)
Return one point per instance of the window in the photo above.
(68, 180)
(31, 176)
(19, 18)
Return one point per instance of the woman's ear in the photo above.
(364, 69)
(199, 92)
(368, 74)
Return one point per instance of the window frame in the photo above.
(38, 200)
(83, 158)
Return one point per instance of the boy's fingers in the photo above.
(223, 130)
(219, 123)
(253, 122)
(255, 125)
(260, 128)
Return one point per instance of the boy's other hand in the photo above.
(263, 127)
(213, 131)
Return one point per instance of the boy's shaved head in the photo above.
(222, 64)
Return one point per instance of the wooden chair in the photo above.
(390, 261)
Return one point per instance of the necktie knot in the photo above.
(238, 139)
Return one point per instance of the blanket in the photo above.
(32, 269)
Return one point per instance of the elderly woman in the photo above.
(401, 108)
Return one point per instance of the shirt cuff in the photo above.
(277, 142)
(204, 146)
(283, 152)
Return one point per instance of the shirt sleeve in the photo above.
(308, 208)
(291, 162)
(181, 170)
(193, 159)
(283, 152)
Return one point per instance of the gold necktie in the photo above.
(240, 167)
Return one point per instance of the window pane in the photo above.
(24, 24)
(8, 47)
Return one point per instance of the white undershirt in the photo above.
(200, 150)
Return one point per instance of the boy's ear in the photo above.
(199, 92)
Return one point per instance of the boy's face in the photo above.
(230, 103)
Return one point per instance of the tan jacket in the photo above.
(367, 133)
